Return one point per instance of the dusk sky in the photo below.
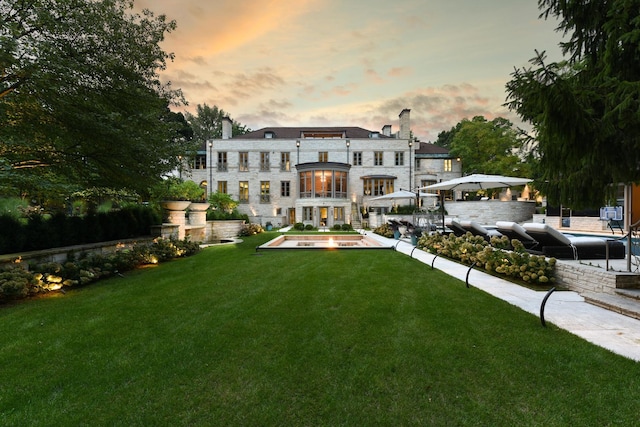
(352, 62)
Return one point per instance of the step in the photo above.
(628, 306)
(629, 293)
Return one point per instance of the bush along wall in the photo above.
(38, 232)
(494, 257)
(19, 281)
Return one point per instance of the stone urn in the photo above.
(175, 205)
(199, 206)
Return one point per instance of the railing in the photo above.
(222, 167)
(633, 246)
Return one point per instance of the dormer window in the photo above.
(269, 135)
(323, 134)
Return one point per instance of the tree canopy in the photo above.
(207, 123)
(491, 147)
(585, 110)
(81, 103)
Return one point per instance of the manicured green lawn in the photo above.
(231, 337)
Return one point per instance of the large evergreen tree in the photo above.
(585, 110)
(81, 104)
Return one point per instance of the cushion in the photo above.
(515, 228)
(540, 229)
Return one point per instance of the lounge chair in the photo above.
(478, 230)
(513, 230)
(553, 243)
(453, 225)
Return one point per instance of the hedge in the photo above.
(39, 232)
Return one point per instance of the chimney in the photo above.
(226, 127)
(386, 130)
(405, 124)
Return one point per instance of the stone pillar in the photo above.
(176, 215)
(178, 218)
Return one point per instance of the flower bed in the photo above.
(20, 281)
(495, 257)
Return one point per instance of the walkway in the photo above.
(566, 309)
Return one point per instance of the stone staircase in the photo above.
(615, 289)
(356, 217)
(623, 301)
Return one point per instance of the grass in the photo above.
(331, 338)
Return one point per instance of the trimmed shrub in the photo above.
(347, 227)
(336, 227)
(299, 226)
(40, 232)
(384, 230)
(17, 282)
(251, 229)
(308, 227)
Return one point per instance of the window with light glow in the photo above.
(243, 195)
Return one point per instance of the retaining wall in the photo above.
(488, 212)
(61, 254)
(593, 278)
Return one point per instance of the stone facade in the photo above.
(267, 170)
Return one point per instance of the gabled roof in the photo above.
(298, 132)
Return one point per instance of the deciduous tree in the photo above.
(490, 147)
(207, 123)
(81, 103)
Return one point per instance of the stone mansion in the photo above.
(318, 175)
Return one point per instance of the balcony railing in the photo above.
(222, 167)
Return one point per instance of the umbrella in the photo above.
(403, 194)
(475, 182)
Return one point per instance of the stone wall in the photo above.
(583, 278)
(578, 223)
(61, 255)
(488, 212)
(217, 230)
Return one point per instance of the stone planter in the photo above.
(175, 205)
(199, 206)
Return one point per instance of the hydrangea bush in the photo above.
(500, 256)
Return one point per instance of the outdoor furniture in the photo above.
(453, 225)
(614, 223)
(478, 230)
(408, 226)
(513, 230)
(555, 244)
